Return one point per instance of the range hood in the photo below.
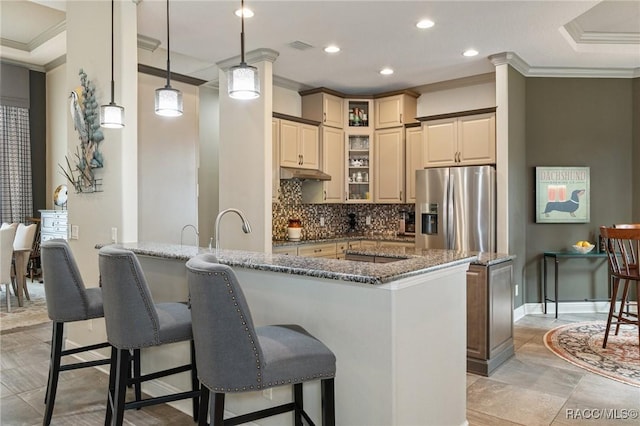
(302, 174)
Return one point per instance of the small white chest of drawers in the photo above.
(53, 224)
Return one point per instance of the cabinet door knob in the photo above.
(401, 117)
(324, 117)
(400, 195)
(325, 195)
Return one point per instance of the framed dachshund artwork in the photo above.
(562, 195)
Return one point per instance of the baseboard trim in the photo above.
(563, 308)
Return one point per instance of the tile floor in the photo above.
(532, 388)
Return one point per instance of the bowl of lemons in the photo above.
(583, 247)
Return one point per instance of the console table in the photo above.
(556, 256)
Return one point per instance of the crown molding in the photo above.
(526, 70)
(580, 36)
(26, 65)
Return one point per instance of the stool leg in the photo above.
(328, 402)
(204, 406)
(137, 372)
(299, 403)
(218, 410)
(54, 370)
(122, 368)
(612, 307)
(195, 384)
(112, 386)
(625, 293)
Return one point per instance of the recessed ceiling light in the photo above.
(332, 49)
(248, 13)
(470, 52)
(425, 23)
(386, 71)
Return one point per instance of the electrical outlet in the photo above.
(321, 221)
(268, 393)
(368, 220)
(114, 235)
(75, 232)
(516, 289)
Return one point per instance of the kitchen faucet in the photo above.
(246, 228)
(194, 229)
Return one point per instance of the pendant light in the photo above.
(168, 99)
(112, 115)
(243, 79)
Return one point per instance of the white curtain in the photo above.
(16, 200)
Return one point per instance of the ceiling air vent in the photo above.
(300, 45)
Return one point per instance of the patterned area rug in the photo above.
(581, 345)
(33, 312)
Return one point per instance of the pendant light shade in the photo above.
(112, 115)
(243, 80)
(168, 99)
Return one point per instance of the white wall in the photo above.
(167, 165)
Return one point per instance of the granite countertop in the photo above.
(344, 270)
(356, 236)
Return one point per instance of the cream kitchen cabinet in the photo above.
(286, 250)
(299, 145)
(414, 160)
(396, 110)
(318, 250)
(324, 107)
(397, 244)
(330, 191)
(389, 173)
(275, 163)
(343, 246)
(460, 141)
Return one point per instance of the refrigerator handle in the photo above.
(449, 212)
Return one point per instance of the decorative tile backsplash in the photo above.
(384, 217)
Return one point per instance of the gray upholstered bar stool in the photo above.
(68, 300)
(234, 356)
(134, 322)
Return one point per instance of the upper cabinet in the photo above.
(299, 145)
(460, 141)
(389, 166)
(329, 191)
(359, 111)
(324, 107)
(414, 160)
(396, 110)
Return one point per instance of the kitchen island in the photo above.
(398, 329)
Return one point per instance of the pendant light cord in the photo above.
(242, 32)
(168, 50)
(112, 83)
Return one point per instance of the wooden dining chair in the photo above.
(622, 244)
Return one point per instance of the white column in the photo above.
(245, 157)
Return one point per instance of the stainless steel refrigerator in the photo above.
(455, 208)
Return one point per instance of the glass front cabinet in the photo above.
(359, 144)
(359, 172)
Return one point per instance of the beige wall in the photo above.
(167, 165)
(446, 98)
(57, 113)
(635, 155)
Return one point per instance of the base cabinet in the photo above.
(489, 317)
